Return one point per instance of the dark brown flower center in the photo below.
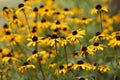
(74, 32)
(35, 38)
(64, 29)
(80, 62)
(98, 33)
(66, 9)
(26, 63)
(96, 44)
(84, 18)
(61, 67)
(84, 48)
(57, 22)
(5, 26)
(98, 6)
(43, 20)
(118, 37)
(7, 32)
(34, 52)
(1, 50)
(35, 9)
(21, 5)
(54, 36)
(41, 6)
(82, 79)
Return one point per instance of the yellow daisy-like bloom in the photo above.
(25, 66)
(62, 70)
(7, 12)
(85, 50)
(44, 24)
(53, 41)
(4, 51)
(63, 41)
(77, 34)
(80, 64)
(67, 11)
(52, 53)
(33, 41)
(35, 55)
(15, 39)
(23, 9)
(58, 15)
(114, 41)
(85, 20)
(52, 65)
(96, 47)
(100, 36)
(6, 35)
(99, 8)
(103, 68)
(58, 24)
(8, 58)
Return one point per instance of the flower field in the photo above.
(60, 40)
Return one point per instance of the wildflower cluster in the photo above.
(43, 40)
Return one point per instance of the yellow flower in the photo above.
(8, 58)
(35, 55)
(85, 50)
(58, 24)
(99, 8)
(96, 47)
(67, 11)
(77, 34)
(61, 70)
(100, 36)
(33, 41)
(58, 15)
(4, 51)
(53, 41)
(115, 41)
(52, 65)
(25, 67)
(15, 39)
(7, 12)
(85, 20)
(103, 68)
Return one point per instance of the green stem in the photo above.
(43, 75)
(26, 20)
(100, 13)
(66, 56)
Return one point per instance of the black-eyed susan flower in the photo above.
(58, 24)
(33, 41)
(43, 24)
(4, 51)
(6, 35)
(25, 67)
(52, 65)
(58, 15)
(54, 40)
(103, 68)
(85, 20)
(15, 39)
(115, 41)
(8, 58)
(85, 50)
(76, 34)
(52, 53)
(96, 47)
(99, 8)
(62, 70)
(100, 36)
